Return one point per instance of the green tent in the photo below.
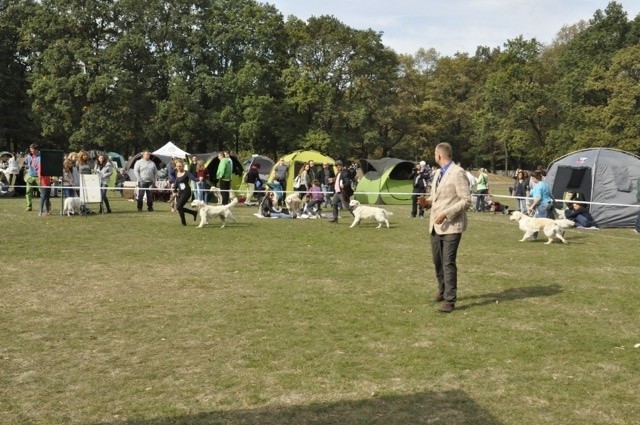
(385, 181)
(295, 160)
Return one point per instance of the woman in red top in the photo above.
(202, 174)
(45, 194)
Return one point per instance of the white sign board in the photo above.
(90, 188)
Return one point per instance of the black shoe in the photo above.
(108, 211)
(139, 209)
(151, 210)
(335, 220)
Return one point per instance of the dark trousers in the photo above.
(444, 249)
(480, 199)
(144, 187)
(225, 187)
(105, 201)
(414, 204)
(181, 201)
(339, 198)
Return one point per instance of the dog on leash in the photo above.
(365, 211)
(294, 204)
(223, 212)
(72, 205)
(553, 229)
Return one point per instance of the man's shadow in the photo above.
(511, 294)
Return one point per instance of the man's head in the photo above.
(146, 155)
(33, 147)
(443, 153)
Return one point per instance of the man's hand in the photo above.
(440, 218)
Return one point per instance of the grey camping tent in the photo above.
(606, 177)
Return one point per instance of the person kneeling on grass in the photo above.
(579, 214)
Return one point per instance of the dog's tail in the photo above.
(232, 203)
(564, 223)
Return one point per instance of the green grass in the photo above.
(130, 318)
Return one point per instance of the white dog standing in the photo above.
(553, 229)
(209, 211)
(365, 211)
(72, 205)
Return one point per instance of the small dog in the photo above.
(215, 191)
(364, 211)
(294, 204)
(72, 205)
(209, 211)
(553, 229)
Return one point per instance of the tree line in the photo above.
(124, 75)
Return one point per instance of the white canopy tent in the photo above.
(169, 151)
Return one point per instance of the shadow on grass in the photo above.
(511, 294)
(448, 407)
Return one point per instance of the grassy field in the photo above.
(131, 318)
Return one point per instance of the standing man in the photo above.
(449, 200)
(280, 172)
(223, 174)
(146, 174)
(32, 171)
(326, 177)
(342, 191)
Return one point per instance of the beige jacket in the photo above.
(451, 196)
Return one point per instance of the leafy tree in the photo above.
(18, 128)
(592, 48)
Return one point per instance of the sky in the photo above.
(451, 26)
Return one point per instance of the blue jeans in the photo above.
(201, 192)
(543, 210)
(638, 222)
(327, 190)
(45, 203)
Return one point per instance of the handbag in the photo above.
(297, 182)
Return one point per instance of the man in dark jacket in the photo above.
(342, 191)
(327, 177)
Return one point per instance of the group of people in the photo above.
(533, 197)
(74, 164)
(181, 178)
(318, 188)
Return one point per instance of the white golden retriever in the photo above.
(210, 211)
(72, 205)
(294, 204)
(365, 211)
(553, 229)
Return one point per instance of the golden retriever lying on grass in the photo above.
(553, 229)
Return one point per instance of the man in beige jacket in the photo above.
(450, 198)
